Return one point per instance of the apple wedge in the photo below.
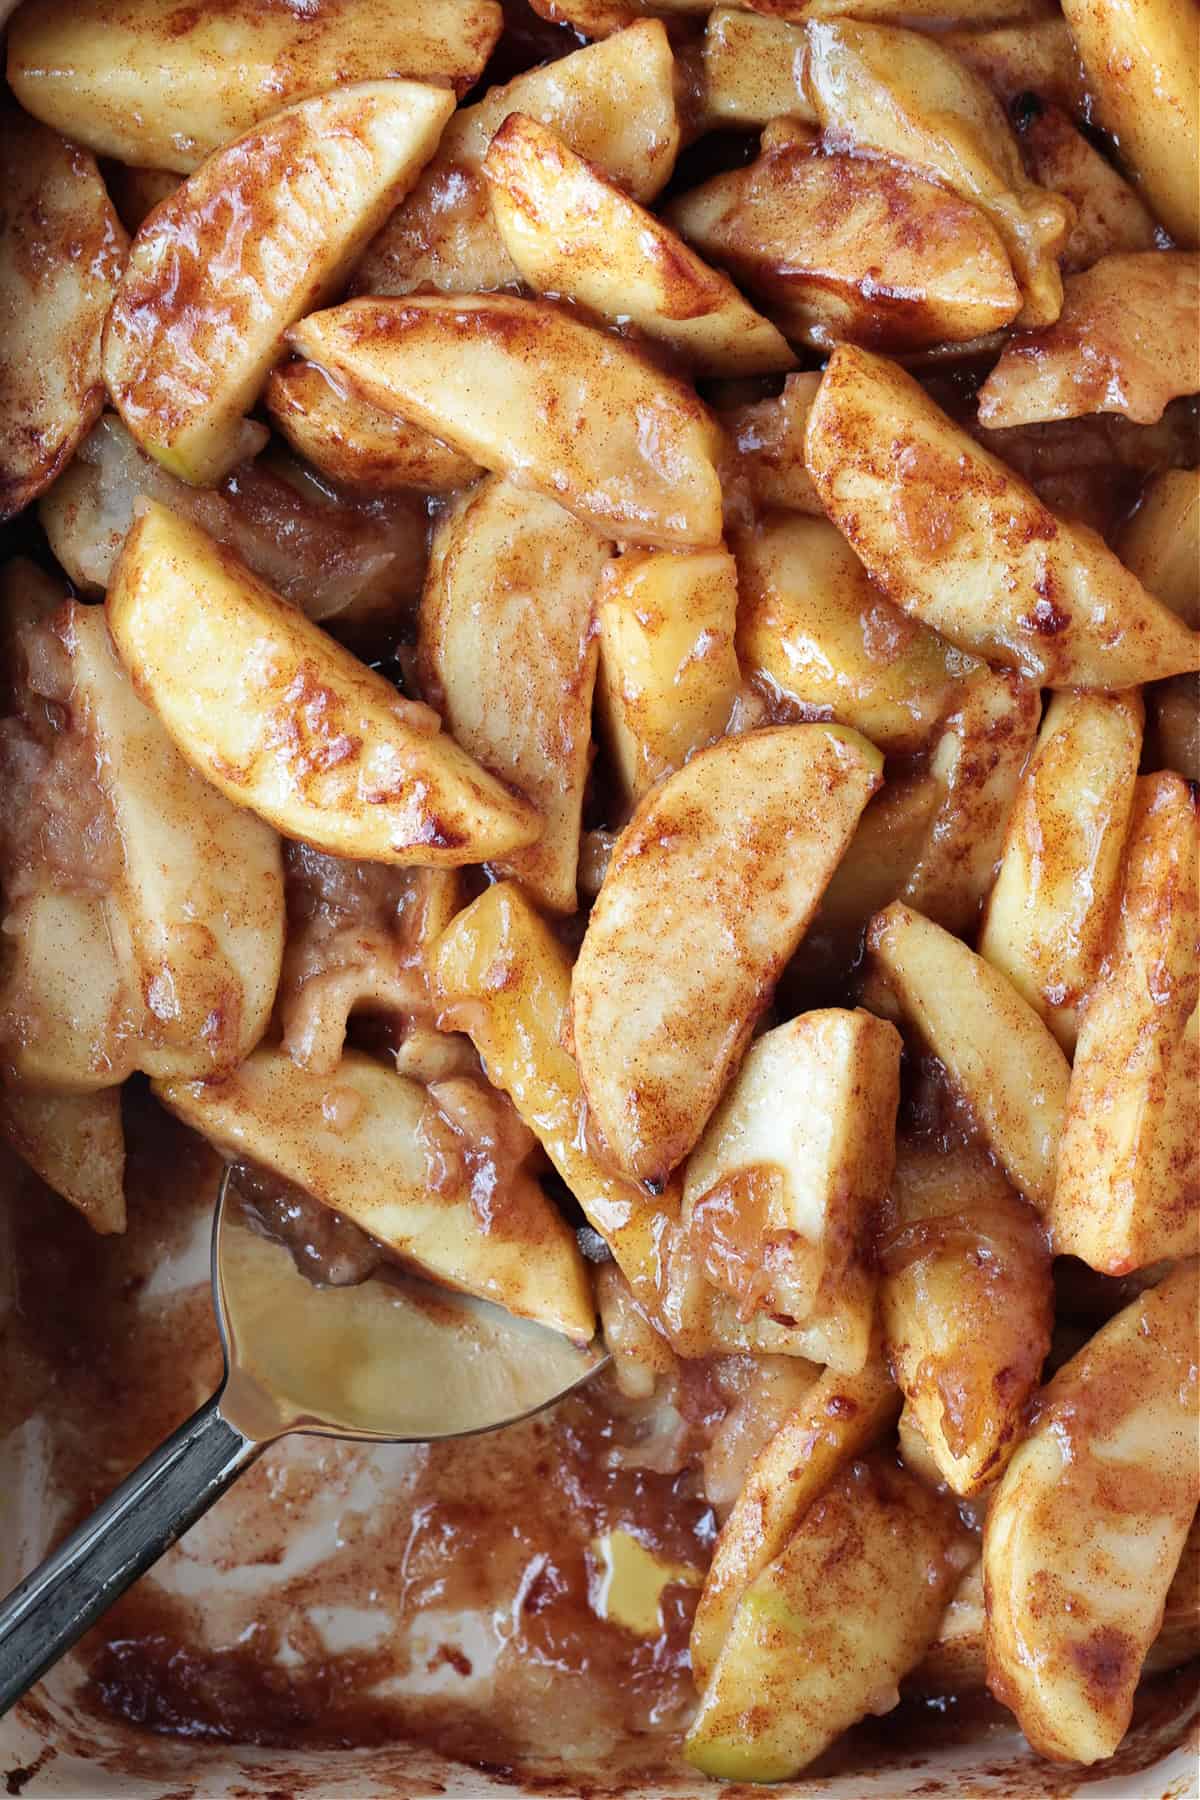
(613, 102)
(1143, 69)
(669, 672)
(1123, 1197)
(146, 917)
(1125, 342)
(355, 443)
(1037, 56)
(526, 389)
(1087, 1527)
(817, 630)
(1110, 216)
(573, 232)
(955, 538)
(261, 233)
(354, 565)
(62, 250)
(901, 94)
(199, 886)
(976, 767)
(708, 893)
(76, 1144)
(288, 723)
(848, 249)
(137, 84)
(996, 1051)
(503, 977)
(957, 1660)
(840, 1418)
(512, 589)
(824, 1635)
(753, 69)
(1161, 542)
(967, 1302)
(1049, 913)
(767, 438)
(780, 1194)
(383, 1151)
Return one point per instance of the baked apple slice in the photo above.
(903, 95)
(845, 249)
(396, 1158)
(708, 893)
(161, 89)
(574, 232)
(62, 250)
(253, 240)
(613, 102)
(76, 1143)
(1143, 73)
(511, 589)
(288, 723)
(954, 537)
(1087, 1527)
(527, 389)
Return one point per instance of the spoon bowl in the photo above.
(394, 1360)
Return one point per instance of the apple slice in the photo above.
(286, 722)
(1143, 76)
(255, 238)
(62, 250)
(1049, 913)
(1161, 542)
(199, 887)
(1036, 56)
(353, 564)
(975, 766)
(504, 978)
(512, 588)
(1087, 1526)
(146, 916)
(526, 389)
(1110, 216)
(75, 1142)
(753, 70)
(612, 102)
(384, 1151)
(1122, 1199)
(839, 1418)
(954, 537)
(708, 893)
(996, 1050)
(901, 94)
(162, 90)
(809, 235)
(780, 1194)
(815, 626)
(826, 1632)
(967, 1302)
(353, 442)
(1125, 342)
(669, 675)
(573, 232)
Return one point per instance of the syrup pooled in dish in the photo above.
(599, 662)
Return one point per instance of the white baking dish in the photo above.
(74, 1757)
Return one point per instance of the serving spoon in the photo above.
(381, 1362)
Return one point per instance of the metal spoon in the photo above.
(387, 1364)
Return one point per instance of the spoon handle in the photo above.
(55, 1604)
